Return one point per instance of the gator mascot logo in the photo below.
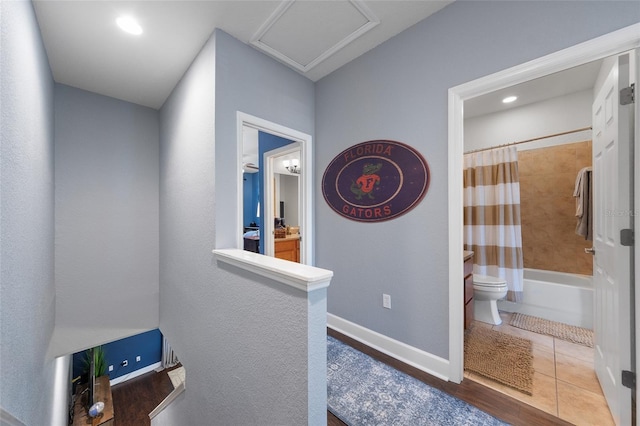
(375, 181)
(367, 182)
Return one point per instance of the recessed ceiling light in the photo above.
(129, 25)
(509, 99)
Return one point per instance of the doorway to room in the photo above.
(608, 45)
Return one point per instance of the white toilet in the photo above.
(486, 293)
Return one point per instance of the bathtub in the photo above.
(556, 296)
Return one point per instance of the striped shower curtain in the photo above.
(492, 216)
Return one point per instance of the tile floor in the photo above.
(564, 382)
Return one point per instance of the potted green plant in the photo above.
(99, 361)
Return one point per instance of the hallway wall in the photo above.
(398, 91)
(27, 291)
(106, 215)
(244, 340)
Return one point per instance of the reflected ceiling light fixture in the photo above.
(292, 166)
(128, 24)
(509, 99)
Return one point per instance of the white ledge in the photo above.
(298, 275)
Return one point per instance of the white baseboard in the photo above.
(415, 357)
(134, 374)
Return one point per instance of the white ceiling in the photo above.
(551, 86)
(315, 37)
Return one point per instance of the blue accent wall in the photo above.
(266, 142)
(147, 345)
(251, 195)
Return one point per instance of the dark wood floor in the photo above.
(134, 399)
(498, 405)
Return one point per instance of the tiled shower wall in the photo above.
(547, 208)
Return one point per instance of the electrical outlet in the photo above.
(125, 363)
(386, 301)
(138, 358)
(111, 368)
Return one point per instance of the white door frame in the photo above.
(607, 45)
(637, 221)
(307, 226)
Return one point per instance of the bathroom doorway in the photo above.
(605, 46)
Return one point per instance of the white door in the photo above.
(612, 207)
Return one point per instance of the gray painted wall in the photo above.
(240, 337)
(209, 313)
(27, 292)
(106, 213)
(253, 83)
(399, 91)
(289, 194)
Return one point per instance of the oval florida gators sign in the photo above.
(375, 181)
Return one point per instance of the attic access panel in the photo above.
(303, 34)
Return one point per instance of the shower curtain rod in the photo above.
(531, 140)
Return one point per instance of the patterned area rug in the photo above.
(570, 333)
(499, 356)
(362, 391)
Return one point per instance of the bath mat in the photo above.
(177, 376)
(570, 333)
(500, 357)
(362, 391)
